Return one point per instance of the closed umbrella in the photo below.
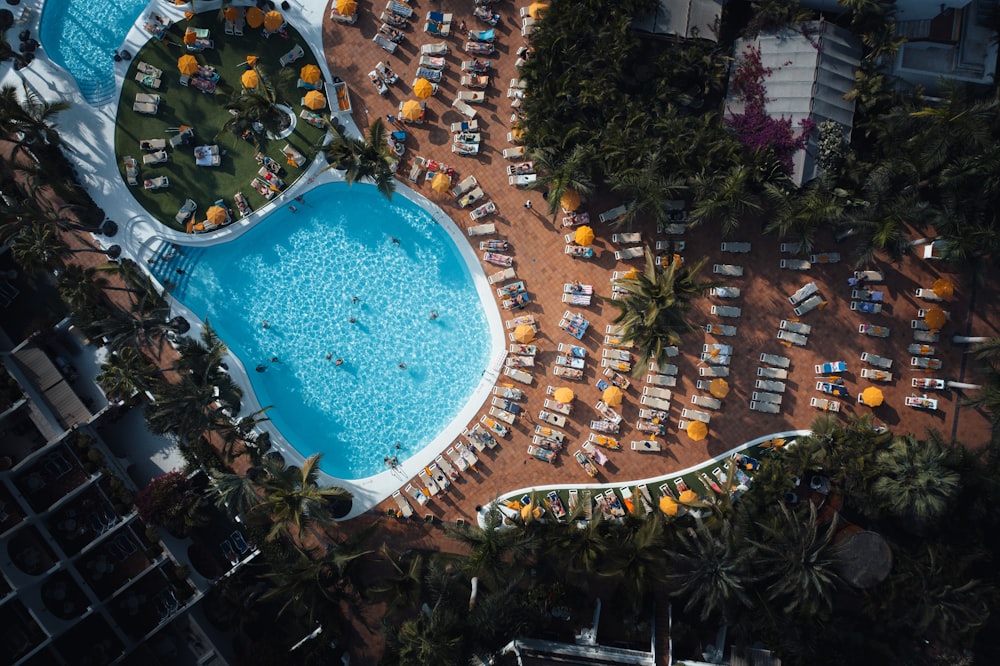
(187, 64)
(314, 100)
(441, 182)
(935, 317)
(570, 200)
(872, 396)
(347, 7)
(255, 17)
(190, 37)
(273, 20)
(688, 496)
(536, 9)
(584, 235)
(631, 274)
(719, 387)
(215, 214)
(612, 396)
(524, 333)
(668, 506)
(231, 13)
(943, 288)
(564, 395)
(423, 88)
(697, 430)
(250, 79)
(309, 73)
(412, 110)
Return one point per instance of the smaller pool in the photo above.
(82, 36)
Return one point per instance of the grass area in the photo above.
(206, 113)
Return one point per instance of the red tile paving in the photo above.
(542, 264)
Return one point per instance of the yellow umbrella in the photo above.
(215, 214)
(584, 235)
(423, 88)
(231, 13)
(254, 17)
(309, 73)
(187, 64)
(688, 496)
(570, 200)
(250, 79)
(273, 20)
(517, 133)
(612, 396)
(252, 60)
(633, 273)
(347, 7)
(872, 396)
(412, 109)
(719, 387)
(697, 430)
(564, 395)
(190, 37)
(536, 9)
(314, 100)
(935, 317)
(943, 288)
(524, 333)
(668, 505)
(441, 182)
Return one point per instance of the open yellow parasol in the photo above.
(612, 396)
(688, 496)
(441, 182)
(935, 317)
(254, 17)
(524, 333)
(252, 60)
(423, 88)
(250, 79)
(310, 73)
(668, 506)
(697, 430)
(872, 396)
(273, 20)
(187, 64)
(564, 395)
(347, 7)
(215, 214)
(230, 13)
(584, 235)
(314, 100)
(943, 288)
(536, 9)
(570, 200)
(412, 110)
(719, 387)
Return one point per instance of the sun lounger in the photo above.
(921, 402)
(654, 402)
(720, 329)
(553, 419)
(866, 306)
(696, 415)
(156, 183)
(795, 327)
(825, 258)
(560, 407)
(186, 211)
(725, 292)
(502, 276)
(146, 104)
(825, 404)
(876, 375)
(834, 368)
(877, 361)
(920, 350)
(770, 385)
(429, 484)
(715, 359)
(803, 293)
(131, 170)
(292, 56)
(795, 264)
(479, 48)
(925, 363)
(726, 311)
(706, 402)
(796, 339)
(671, 245)
(765, 407)
(471, 197)
(419, 496)
(159, 157)
(740, 248)
(809, 305)
(713, 371)
(630, 238)
(772, 373)
(663, 393)
(148, 81)
(874, 331)
(482, 211)
(661, 380)
(869, 276)
(386, 45)
(518, 375)
(630, 253)
(556, 436)
(776, 398)
(927, 295)
(926, 336)
(585, 463)
(928, 383)
(467, 185)
(775, 360)
(728, 270)
(146, 68)
(405, 510)
(465, 110)
(503, 415)
(613, 215)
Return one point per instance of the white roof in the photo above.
(692, 19)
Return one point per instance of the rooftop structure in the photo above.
(688, 19)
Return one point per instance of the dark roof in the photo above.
(50, 386)
(691, 19)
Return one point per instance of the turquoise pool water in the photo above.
(299, 272)
(82, 37)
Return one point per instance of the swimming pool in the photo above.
(300, 272)
(82, 37)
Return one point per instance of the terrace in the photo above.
(118, 559)
(50, 478)
(148, 603)
(90, 641)
(19, 632)
(80, 522)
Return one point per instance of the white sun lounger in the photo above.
(663, 393)
(405, 510)
(612, 215)
(713, 371)
(927, 295)
(876, 360)
(804, 292)
(720, 329)
(870, 276)
(770, 385)
(809, 305)
(729, 270)
(429, 483)
(796, 339)
(630, 238)
(654, 402)
(467, 185)
(726, 311)
(706, 402)
(514, 153)
(775, 360)
(464, 109)
(926, 336)
(435, 49)
(696, 415)
(825, 404)
(765, 407)
(876, 375)
(795, 327)
(795, 264)
(767, 397)
(499, 276)
(772, 373)
(483, 230)
(518, 375)
(671, 229)
(661, 380)
(502, 415)
(677, 246)
(736, 247)
(629, 253)
(725, 292)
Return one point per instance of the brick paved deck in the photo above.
(542, 264)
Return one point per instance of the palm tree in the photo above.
(182, 408)
(636, 560)
(489, 545)
(405, 586)
(654, 310)
(800, 564)
(725, 198)
(712, 570)
(362, 159)
(426, 640)
(38, 249)
(799, 215)
(648, 188)
(915, 479)
(581, 551)
(255, 106)
(293, 498)
(125, 373)
(33, 116)
(203, 359)
(559, 176)
(237, 494)
(988, 397)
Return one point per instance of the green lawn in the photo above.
(181, 105)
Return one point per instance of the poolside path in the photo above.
(540, 261)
